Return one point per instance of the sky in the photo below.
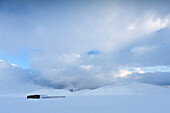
(76, 44)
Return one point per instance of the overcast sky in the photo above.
(85, 44)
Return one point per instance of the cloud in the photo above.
(14, 79)
(158, 78)
(148, 24)
(84, 44)
(158, 75)
(123, 74)
(86, 67)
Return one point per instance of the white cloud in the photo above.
(148, 25)
(132, 27)
(86, 67)
(142, 49)
(156, 24)
(77, 55)
(139, 70)
(14, 65)
(123, 74)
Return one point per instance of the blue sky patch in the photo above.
(162, 30)
(93, 52)
(21, 58)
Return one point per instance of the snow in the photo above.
(89, 104)
(134, 88)
(121, 98)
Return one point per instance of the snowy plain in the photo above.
(89, 104)
(123, 98)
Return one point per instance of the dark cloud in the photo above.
(158, 78)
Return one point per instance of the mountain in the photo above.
(134, 88)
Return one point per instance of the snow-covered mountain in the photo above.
(119, 89)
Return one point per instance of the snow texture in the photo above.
(122, 98)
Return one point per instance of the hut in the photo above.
(33, 97)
